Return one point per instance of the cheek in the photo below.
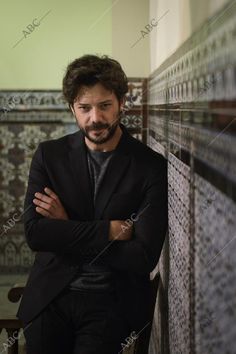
(80, 117)
(115, 112)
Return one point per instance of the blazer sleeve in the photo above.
(142, 252)
(54, 235)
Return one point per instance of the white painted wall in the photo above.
(181, 20)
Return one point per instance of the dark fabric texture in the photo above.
(133, 189)
(78, 323)
(95, 277)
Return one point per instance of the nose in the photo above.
(95, 115)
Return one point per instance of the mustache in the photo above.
(97, 126)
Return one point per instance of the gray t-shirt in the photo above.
(94, 276)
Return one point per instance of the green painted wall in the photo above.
(69, 29)
(129, 18)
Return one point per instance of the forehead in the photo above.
(94, 94)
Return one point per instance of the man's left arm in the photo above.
(142, 252)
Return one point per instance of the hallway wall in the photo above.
(191, 120)
(177, 21)
(130, 45)
(39, 39)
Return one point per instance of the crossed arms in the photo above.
(136, 249)
(50, 206)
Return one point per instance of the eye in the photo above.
(84, 108)
(105, 105)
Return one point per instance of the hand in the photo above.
(49, 205)
(120, 230)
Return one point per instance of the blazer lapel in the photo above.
(80, 173)
(114, 173)
(81, 178)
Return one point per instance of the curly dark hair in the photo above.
(89, 70)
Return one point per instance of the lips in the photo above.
(97, 129)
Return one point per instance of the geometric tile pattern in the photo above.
(179, 255)
(191, 121)
(215, 264)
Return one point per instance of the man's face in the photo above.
(97, 113)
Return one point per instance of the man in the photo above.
(96, 214)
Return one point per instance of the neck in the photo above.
(108, 145)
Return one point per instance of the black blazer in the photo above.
(134, 187)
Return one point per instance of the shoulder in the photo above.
(145, 154)
(61, 143)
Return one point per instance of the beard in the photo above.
(105, 135)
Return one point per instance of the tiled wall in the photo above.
(27, 118)
(192, 121)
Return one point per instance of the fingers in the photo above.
(51, 193)
(49, 205)
(45, 202)
(43, 212)
(52, 196)
(44, 205)
(120, 231)
(43, 198)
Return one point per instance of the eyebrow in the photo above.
(88, 104)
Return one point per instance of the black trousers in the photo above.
(78, 322)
